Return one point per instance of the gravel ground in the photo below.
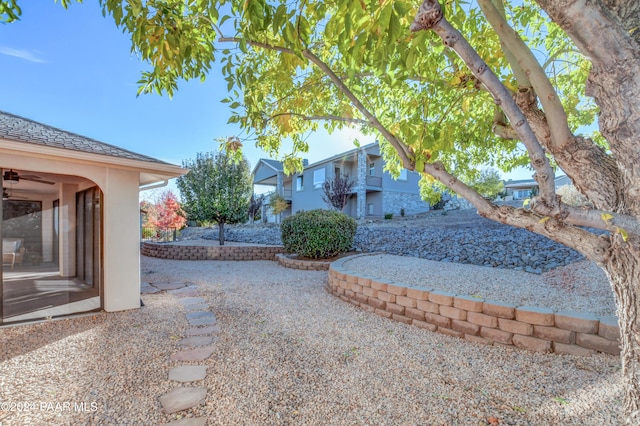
(580, 287)
(291, 354)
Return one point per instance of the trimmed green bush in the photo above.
(318, 234)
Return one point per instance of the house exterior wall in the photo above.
(121, 242)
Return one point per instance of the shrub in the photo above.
(318, 234)
(388, 216)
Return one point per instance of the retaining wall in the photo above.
(307, 265)
(477, 320)
(194, 252)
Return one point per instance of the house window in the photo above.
(403, 174)
(318, 178)
(372, 169)
(370, 209)
(299, 183)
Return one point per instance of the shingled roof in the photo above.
(15, 128)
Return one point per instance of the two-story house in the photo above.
(375, 192)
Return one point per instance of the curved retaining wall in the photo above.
(308, 265)
(188, 252)
(477, 320)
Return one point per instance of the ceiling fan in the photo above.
(7, 196)
(12, 177)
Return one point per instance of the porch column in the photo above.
(361, 189)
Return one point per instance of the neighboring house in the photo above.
(521, 189)
(375, 192)
(73, 204)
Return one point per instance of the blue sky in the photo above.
(73, 69)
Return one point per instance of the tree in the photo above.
(277, 204)
(488, 184)
(255, 206)
(446, 92)
(216, 189)
(337, 191)
(167, 213)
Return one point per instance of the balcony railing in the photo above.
(374, 181)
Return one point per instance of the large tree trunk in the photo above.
(623, 268)
(221, 233)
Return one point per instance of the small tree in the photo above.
(255, 205)
(337, 191)
(489, 184)
(217, 188)
(167, 212)
(277, 204)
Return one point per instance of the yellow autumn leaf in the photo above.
(606, 217)
(544, 219)
(526, 202)
(622, 233)
(465, 104)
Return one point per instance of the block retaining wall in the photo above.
(477, 320)
(307, 265)
(186, 252)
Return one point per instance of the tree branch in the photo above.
(590, 245)
(324, 117)
(430, 17)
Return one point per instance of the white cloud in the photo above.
(21, 54)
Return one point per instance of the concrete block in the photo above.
(378, 285)
(398, 290)
(414, 313)
(426, 306)
(450, 332)
(425, 325)
(609, 328)
(499, 309)
(406, 301)
(531, 343)
(563, 349)
(364, 281)
(495, 335)
(516, 327)
(577, 321)
(598, 343)
(438, 320)
(477, 339)
(482, 319)
(441, 297)
(465, 327)
(418, 293)
(535, 315)
(377, 303)
(566, 337)
(383, 313)
(395, 308)
(370, 292)
(387, 297)
(362, 298)
(468, 303)
(401, 318)
(453, 313)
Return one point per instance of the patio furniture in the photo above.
(12, 251)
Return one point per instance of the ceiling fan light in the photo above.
(10, 177)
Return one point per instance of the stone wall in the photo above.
(393, 202)
(305, 265)
(194, 252)
(478, 320)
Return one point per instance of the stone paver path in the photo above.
(200, 338)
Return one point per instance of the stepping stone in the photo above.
(197, 307)
(192, 300)
(197, 354)
(182, 398)
(195, 421)
(168, 286)
(188, 373)
(200, 314)
(148, 289)
(183, 290)
(194, 341)
(187, 293)
(199, 331)
(202, 321)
